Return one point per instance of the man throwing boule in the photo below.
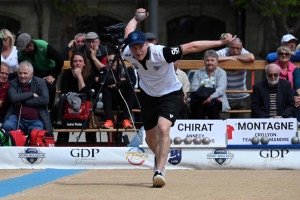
(161, 96)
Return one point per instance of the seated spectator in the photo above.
(9, 53)
(68, 50)
(46, 61)
(236, 79)
(79, 79)
(29, 97)
(208, 89)
(290, 72)
(272, 97)
(95, 53)
(289, 41)
(4, 101)
(117, 80)
(184, 80)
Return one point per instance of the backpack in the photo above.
(41, 138)
(18, 138)
(82, 114)
(4, 138)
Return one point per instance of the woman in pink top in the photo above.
(290, 72)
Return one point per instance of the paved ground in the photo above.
(181, 184)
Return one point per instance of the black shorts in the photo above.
(167, 106)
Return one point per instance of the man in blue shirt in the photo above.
(290, 41)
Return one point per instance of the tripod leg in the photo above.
(94, 103)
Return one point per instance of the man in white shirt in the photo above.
(161, 93)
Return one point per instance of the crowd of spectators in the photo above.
(30, 70)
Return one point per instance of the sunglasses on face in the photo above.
(284, 54)
(5, 38)
(272, 75)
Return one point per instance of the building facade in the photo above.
(175, 21)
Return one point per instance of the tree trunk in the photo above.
(38, 7)
(55, 28)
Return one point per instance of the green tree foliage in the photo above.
(278, 16)
(282, 12)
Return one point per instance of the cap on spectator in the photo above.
(91, 36)
(150, 35)
(136, 37)
(287, 38)
(23, 40)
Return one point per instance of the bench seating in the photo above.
(257, 65)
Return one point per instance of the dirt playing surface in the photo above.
(180, 184)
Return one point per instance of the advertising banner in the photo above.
(278, 131)
(139, 158)
(197, 134)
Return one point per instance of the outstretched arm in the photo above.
(202, 45)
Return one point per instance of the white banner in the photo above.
(212, 134)
(279, 131)
(139, 158)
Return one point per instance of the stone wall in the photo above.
(123, 10)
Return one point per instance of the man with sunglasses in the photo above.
(273, 96)
(289, 41)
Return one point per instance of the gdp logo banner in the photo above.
(278, 131)
(32, 156)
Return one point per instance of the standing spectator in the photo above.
(213, 77)
(117, 81)
(9, 53)
(151, 38)
(289, 41)
(184, 80)
(31, 92)
(161, 93)
(4, 101)
(272, 97)
(236, 79)
(68, 50)
(46, 61)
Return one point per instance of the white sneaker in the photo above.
(154, 168)
(158, 179)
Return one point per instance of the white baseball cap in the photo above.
(288, 37)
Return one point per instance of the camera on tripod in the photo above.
(116, 35)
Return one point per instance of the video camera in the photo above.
(116, 35)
